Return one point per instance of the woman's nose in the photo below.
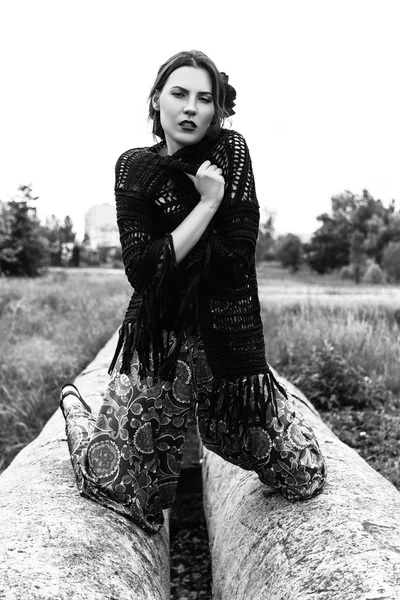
(190, 107)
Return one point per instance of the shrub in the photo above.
(346, 272)
(374, 274)
(117, 258)
(289, 251)
(329, 381)
(7, 299)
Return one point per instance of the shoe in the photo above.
(74, 392)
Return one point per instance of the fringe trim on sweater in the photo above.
(147, 333)
(243, 402)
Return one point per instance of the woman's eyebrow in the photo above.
(179, 87)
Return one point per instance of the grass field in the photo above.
(362, 322)
(52, 327)
(307, 312)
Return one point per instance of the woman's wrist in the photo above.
(210, 203)
(188, 233)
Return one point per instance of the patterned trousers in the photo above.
(128, 458)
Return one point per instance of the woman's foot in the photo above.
(68, 392)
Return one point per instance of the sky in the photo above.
(318, 95)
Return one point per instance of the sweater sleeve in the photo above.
(147, 257)
(150, 266)
(234, 236)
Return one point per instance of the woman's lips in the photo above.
(187, 125)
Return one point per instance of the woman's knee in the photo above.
(297, 478)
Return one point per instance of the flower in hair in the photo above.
(230, 95)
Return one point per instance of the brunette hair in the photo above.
(190, 58)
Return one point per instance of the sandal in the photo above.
(74, 392)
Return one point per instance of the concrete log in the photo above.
(341, 545)
(55, 544)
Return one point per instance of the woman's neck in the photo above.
(163, 151)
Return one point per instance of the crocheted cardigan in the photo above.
(213, 291)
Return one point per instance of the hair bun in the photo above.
(230, 95)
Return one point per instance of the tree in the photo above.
(76, 255)
(376, 237)
(328, 248)
(51, 230)
(67, 233)
(391, 260)
(60, 237)
(330, 245)
(357, 254)
(265, 241)
(23, 248)
(394, 227)
(289, 251)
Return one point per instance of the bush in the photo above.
(346, 272)
(289, 251)
(329, 381)
(374, 274)
(7, 300)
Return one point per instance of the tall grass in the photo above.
(366, 334)
(306, 313)
(50, 329)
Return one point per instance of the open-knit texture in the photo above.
(213, 291)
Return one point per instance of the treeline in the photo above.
(28, 247)
(360, 237)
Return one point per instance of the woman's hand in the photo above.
(210, 184)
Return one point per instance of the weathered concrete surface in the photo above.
(54, 544)
(341, 545)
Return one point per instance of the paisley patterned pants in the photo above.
(128, 458)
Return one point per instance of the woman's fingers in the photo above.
(205, 164)
(208, 179)
(208, 167)
(210, 183)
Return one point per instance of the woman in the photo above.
(192, 336)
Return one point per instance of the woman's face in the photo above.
(186, 107)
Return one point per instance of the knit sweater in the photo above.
(213, 291)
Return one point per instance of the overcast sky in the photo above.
(318, 95)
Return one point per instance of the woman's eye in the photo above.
(206, 99)
(178, 94)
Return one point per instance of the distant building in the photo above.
(101, 226)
